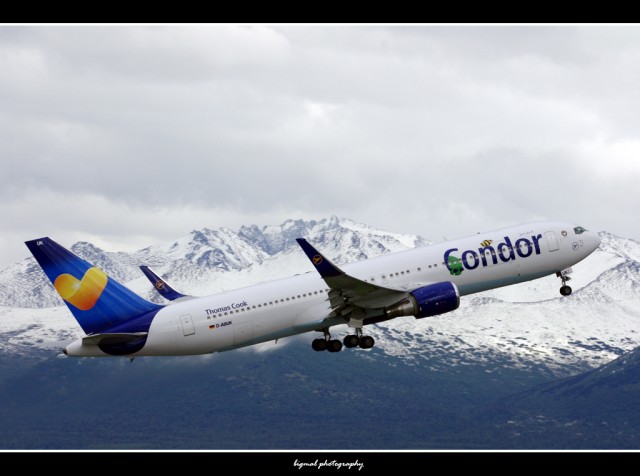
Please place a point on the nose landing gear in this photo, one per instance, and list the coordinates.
(565, 290)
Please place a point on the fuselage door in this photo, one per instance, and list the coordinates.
(187, 325)
(552, 240)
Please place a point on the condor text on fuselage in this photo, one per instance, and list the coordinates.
(505, 251)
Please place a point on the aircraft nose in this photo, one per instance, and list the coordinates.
(594, 241)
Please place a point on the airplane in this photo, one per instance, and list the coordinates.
(420, 282)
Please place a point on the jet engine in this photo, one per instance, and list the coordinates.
(427, 301)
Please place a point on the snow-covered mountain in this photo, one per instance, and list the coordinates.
(207, 261)
(524, 325)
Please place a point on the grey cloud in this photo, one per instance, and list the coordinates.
(429, 130)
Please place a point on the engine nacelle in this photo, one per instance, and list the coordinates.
(427, 301)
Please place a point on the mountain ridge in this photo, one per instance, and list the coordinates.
(529, 323)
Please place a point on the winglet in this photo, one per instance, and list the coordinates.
(325, 267)
(161, 285)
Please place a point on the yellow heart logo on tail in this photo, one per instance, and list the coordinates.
(83, 294)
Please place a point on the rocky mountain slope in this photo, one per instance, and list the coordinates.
(521, 326)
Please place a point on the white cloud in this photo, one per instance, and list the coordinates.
(131, 134)
(612, 160)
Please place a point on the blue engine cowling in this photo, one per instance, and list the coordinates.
(427, 301)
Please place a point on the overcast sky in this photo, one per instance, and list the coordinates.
(132, 135)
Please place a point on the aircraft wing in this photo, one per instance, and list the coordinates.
(347, 290)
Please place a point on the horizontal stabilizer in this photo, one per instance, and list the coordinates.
(115, 338)
(165, 290)
(112, 339)
(111, 343)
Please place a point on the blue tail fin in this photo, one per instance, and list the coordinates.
(99, 303)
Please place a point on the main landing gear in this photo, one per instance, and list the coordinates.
(332, 345)
(350, 341)
(357, 339)
(564, 290)
(326, 343)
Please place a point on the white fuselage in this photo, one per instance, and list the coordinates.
(300, 303)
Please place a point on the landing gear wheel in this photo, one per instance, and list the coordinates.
(334, 345)
(565, 290)
(351, 341)
(319, 345)
(366, 342)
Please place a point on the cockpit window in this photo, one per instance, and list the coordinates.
(579, 230)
